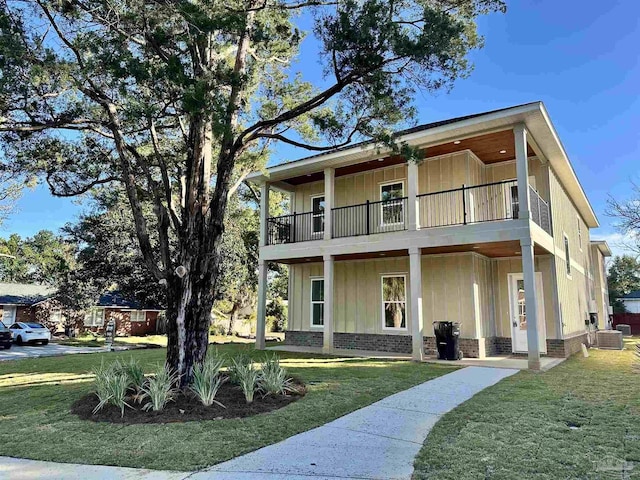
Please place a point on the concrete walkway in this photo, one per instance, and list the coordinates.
(376, 442)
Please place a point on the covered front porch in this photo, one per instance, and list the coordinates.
(496, 361)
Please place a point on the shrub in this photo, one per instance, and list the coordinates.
(160, 389)
(207, 380)
(111, 387)
(273, 378)
(246, 376)
(135, 373)
(239, 360)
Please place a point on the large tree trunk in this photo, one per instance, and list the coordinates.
(189, 302)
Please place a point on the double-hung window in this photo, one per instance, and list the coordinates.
(317, 208)
(317, 302)
(394, 302)
(94, 317)
(138, 316)
(391, 206)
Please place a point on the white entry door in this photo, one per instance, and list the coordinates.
(518, 311)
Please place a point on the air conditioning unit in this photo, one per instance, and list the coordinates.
(593, 308)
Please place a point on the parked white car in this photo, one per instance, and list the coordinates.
(30, 333)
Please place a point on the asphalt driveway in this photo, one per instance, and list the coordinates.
(17, 352)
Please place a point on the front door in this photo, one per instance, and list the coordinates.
(518, 311)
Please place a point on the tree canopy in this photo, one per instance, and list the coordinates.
(45, 258)
(623, 278)
(177, 101)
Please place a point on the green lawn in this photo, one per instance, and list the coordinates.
(155, 340)
(521, 428)
(36, 395)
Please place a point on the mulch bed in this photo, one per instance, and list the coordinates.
(187, 408)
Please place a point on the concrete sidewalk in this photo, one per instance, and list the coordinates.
(376, 442)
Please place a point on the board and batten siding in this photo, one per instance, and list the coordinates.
(447, 293)
(574, 291)
(351, 189)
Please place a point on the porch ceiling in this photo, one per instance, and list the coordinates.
(491, 250)
(486, 147)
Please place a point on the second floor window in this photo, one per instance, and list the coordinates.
(317, 207)
(567, 254)
(392, 211)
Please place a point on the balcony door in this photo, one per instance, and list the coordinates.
(391, 204)
(317, 224)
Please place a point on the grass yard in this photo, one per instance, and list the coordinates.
(580, 420)
(36, 394)
(156, 340)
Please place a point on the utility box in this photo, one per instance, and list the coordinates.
(624, 328)
(609, 339)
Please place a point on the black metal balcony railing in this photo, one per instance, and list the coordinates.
(540, 212)
(475, 204)
(461, 206)
(297, 227)
(369, 218)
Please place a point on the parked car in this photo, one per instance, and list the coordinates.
(30, 333)
(5, 337)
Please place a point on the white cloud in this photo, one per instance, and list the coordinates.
(621, 244)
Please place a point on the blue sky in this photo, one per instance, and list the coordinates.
(580, 58)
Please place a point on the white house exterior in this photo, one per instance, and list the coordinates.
(493, 219)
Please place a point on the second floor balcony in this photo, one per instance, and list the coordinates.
(491, 202)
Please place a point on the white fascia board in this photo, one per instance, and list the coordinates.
(603, 246)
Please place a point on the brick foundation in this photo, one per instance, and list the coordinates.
(374, 342)
(303, 339)
(555, 347)
(568, 346)
(402, 343)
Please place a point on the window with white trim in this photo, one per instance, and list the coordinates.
(567, 254)
(94, 317)
(392, 207)
(138, 316)
(317, 302)
(317, 207)
(394, 302)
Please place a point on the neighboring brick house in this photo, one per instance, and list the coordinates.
(29, 302)
(491, 229)
(17, 300)
(131, 317)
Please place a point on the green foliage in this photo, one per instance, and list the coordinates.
(207, 380)
(179, 101)
(160, 388)
(45, 258)
(277, 315)
(245, 375)
(111, 385)
(134, 372)
(273, 378)
(623, 277)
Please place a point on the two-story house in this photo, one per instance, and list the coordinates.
(490, 229)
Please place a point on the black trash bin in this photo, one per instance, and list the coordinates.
(448, 340)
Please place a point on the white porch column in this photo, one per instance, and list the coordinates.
(417, 323)
(412, 196)
(327, 343)
(264, 213)
(329, 189)
(522, 170)
(262, 304)
(530, 298)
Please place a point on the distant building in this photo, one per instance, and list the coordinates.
(20, 302)
(631, 301)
